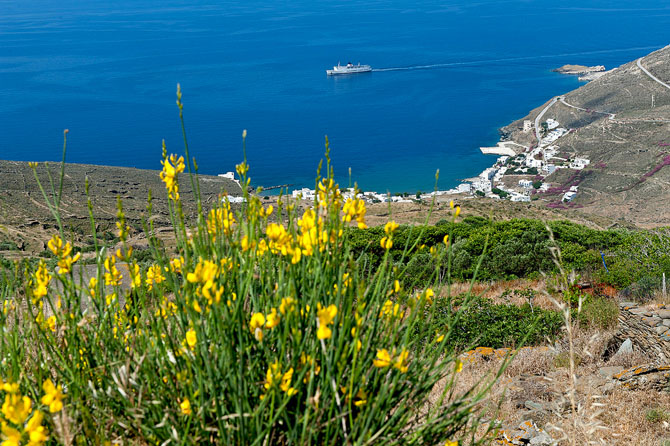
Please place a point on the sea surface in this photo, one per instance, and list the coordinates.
(108, 72)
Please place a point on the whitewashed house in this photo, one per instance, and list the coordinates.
(569, 196)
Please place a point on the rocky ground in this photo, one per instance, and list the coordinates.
(617, 393)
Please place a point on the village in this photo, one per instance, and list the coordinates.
(517, 174)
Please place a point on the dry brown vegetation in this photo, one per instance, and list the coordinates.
(540, 375)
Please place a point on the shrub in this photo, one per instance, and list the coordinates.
(262, 327)
(657, 415)
(476, 321)
(599, 312)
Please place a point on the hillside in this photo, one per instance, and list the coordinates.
(621, 123)
(27, 222)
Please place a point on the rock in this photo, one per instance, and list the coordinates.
(645, 377)
(625, 348)
(663, 314)
(661, 329)
(637, 311)
(666, 322)
(532, 405)
(652, 321)
(526, 433)
(610, 371)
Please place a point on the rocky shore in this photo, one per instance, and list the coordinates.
(578, 69)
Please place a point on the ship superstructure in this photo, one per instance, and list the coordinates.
(349, 68)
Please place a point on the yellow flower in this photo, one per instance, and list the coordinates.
(220, 220)
(191, 338)
(40, 282)
(243, 167)
(383, 358)
(451, 443)
(10, 387)
(286, 383)
(112, 275)
(361, 398)
(400, 362)
(12, 436)
(92, 286)
(51, 323)
(325, 317)
(256, 325)
(154, 275)
(386, 243)
(390, 227)
(439, 338)
(172, 167)
(458, 366)
(287, 305)
(176, 264)
(16, 408)
(386, 359)
(63, 251)
(355, 209)
(445, 240)
(185, 407)
(429, 294)
(272, 319)
(396, 286)
(36, 432)
(53, 396)
(389, 309)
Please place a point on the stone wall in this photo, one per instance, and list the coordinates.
(648, 328)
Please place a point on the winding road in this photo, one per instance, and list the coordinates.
(639, 64)
(611, 115)
(562, 99)
(537, 119)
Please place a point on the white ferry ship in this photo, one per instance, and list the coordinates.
(349, 69)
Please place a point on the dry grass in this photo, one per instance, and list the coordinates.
(535, 375)
(494, 292)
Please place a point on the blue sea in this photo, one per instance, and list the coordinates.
(108, 71)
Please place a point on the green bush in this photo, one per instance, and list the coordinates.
(599, 312)
(476, 321)
(657, 415)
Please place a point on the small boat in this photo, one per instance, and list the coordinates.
(349, 69)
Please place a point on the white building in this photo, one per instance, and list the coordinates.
(304, 193)
(520, 198)
(579, 163)
(527, 125)
(549, 169)
(464, 187)
(228, 175)
(482, 184)
(488, 173)
(532, 162)
(526, 184)
(569, 196)
(552, 124)
(553, 136)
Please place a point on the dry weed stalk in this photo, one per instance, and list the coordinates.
(583, 424)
